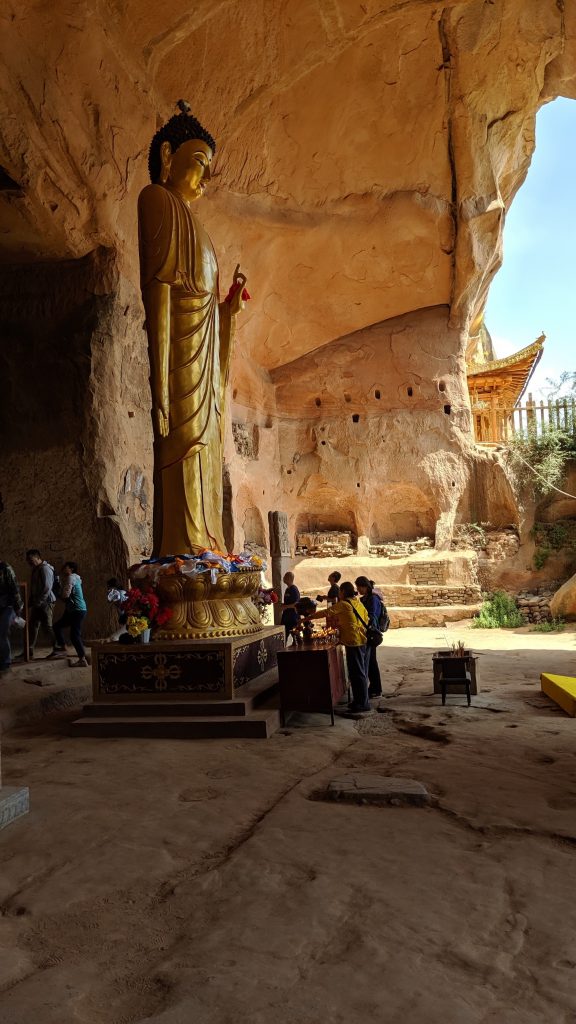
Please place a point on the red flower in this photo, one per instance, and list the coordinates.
(232, 291)
(144, 604)
(163, 616)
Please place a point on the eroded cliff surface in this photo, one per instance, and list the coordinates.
(367, 154)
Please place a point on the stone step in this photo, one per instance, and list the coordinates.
(250, 698)
(256, 725)
(435, 616)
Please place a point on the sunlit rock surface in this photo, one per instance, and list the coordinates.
(366, 156)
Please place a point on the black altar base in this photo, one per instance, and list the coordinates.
(184, 688)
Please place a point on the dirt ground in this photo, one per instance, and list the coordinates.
(204, 882)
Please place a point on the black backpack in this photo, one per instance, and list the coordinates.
(384, 620)
(56, 585)
(373, 633)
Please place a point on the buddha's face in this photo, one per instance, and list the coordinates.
(188, 169)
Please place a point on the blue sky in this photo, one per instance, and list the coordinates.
(535, 289)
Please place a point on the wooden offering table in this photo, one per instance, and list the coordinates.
(312, 678)
(468, 660)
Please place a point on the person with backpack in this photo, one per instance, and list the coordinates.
(43, 589)
(379, 618)
(73, 617)
(352, 621)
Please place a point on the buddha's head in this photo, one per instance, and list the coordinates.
(181, 153)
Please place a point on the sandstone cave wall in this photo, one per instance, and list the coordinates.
(367, 154)
(75, 461)
(372, 434)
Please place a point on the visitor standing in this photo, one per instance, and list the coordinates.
(41, 600)
(373, 605)
(334, 592)
(290, 617)
(352, 619)
(10, 608)
(73, 617)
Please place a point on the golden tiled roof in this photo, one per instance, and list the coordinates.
(507, 378)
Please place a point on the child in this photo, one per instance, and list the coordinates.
(334, 593)
(117, 596)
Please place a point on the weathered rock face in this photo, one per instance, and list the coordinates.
(563, 603)
(367, 154)
(75, 462)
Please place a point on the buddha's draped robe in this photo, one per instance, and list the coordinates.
(175, 250)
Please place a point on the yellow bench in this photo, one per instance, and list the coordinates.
(560, 689)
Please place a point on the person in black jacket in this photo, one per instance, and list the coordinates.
(373, 605)
(42, 599)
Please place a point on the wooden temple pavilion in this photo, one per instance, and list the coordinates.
(496, 387)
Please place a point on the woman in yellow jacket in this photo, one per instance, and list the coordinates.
(351, 619)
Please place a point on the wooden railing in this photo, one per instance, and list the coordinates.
(495, 424)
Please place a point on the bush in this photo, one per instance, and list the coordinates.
(552, 626)
(499, 611)
(547, 453)
(541, 556)
(554, 535)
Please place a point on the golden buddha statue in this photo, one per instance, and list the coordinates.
(190, 338)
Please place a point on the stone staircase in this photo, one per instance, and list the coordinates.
(425, 588)
(436, 591)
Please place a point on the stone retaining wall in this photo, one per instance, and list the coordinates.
(428, 573)
(401, 548)
(420, 596)
(534, 605)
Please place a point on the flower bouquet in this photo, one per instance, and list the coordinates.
(143, 611)
(263, 598)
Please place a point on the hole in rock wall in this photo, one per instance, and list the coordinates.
(347, 397)
(7, 183)
(318, 402)
(328, 533)
(355, 418)
(409, 392)
(407, 515)
(447, 409)
(377, 394)
(254, 532)
(441, 386)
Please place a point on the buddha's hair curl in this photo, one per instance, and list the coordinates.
(179, 129)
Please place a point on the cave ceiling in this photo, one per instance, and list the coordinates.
(366, 151)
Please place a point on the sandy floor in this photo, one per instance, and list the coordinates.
(182, 882)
